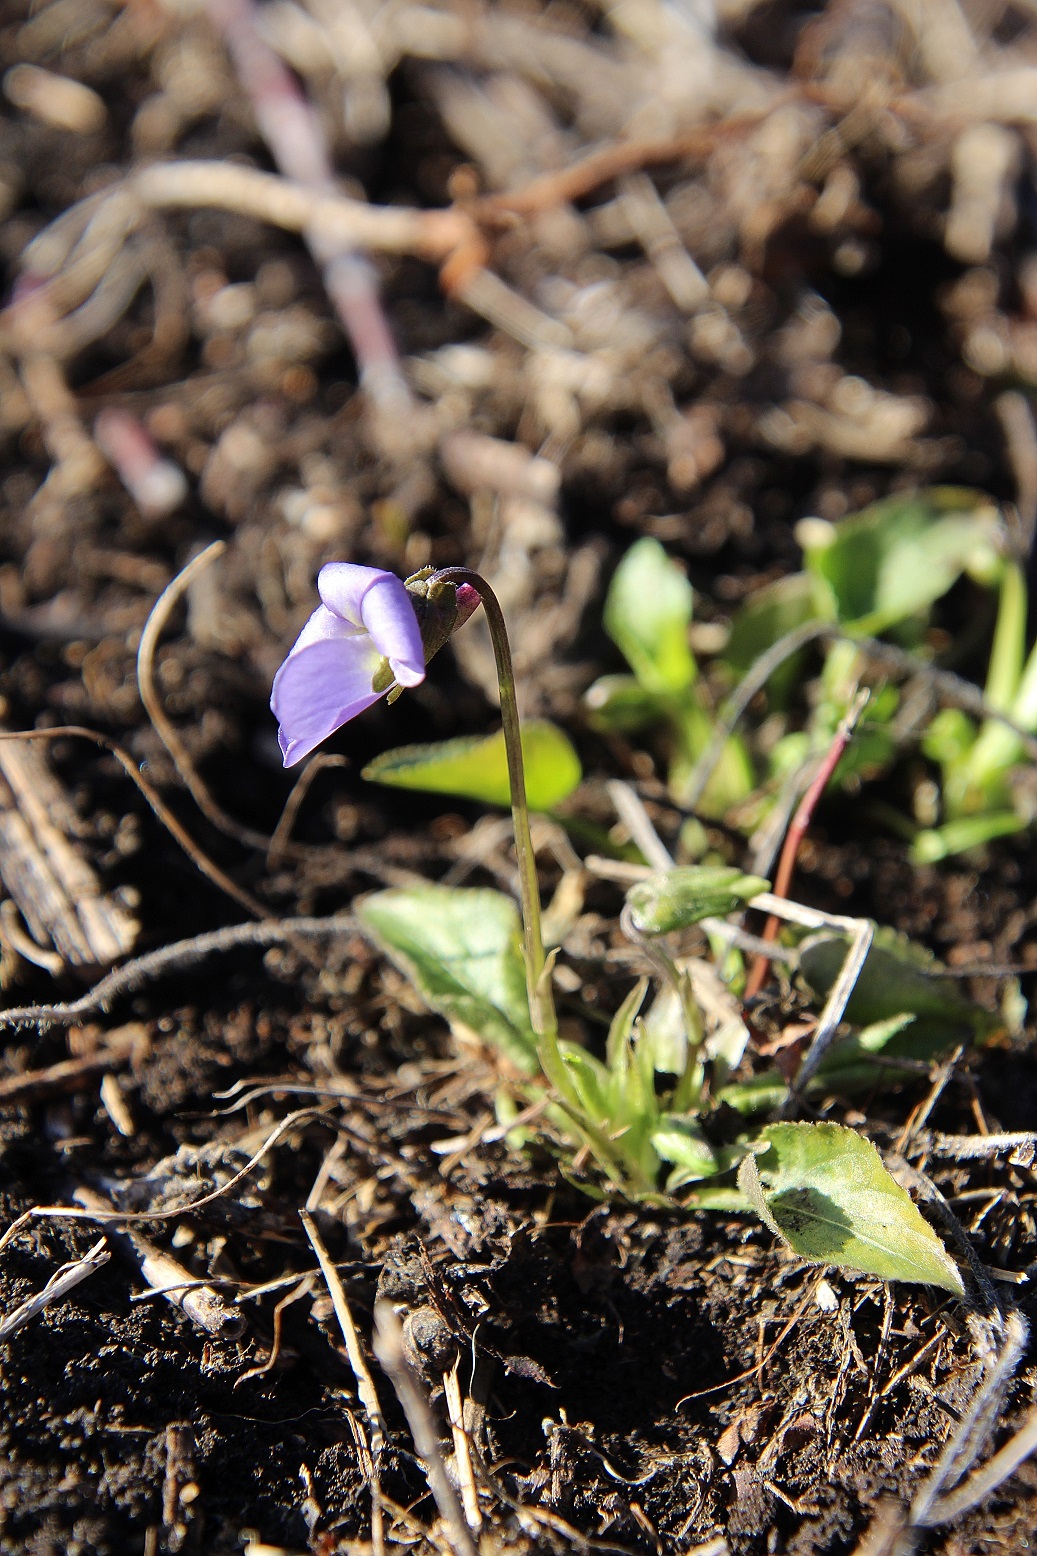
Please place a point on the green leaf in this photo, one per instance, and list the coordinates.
(956, 837)
(950, 737)
(647, 615)
(679, 1140)
(476, 767)
(673, 899)
(880, 1057)
(619, 705)
(621, 1027)
(823, 1189)
(664, 1036)
(896, 557)
(1008, 650)
(767, 615)
(898, 978)
(462, 951)
(732, 779)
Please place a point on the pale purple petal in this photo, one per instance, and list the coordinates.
(319, 688)
(389, 616)
(324, 625)
(342, 586)
(366, 617)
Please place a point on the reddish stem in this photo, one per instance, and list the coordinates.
(797, 829)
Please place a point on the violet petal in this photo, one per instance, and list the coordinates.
(390, 618)
(342, 586)
(319, 688)
(323, 626)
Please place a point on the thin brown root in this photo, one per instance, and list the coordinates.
(283, 831)
(153, 629)
(212, 871)
(182, 953)
(73, 1213)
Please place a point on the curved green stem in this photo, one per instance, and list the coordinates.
(538, 981)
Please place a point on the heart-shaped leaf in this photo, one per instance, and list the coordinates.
(462, 951)
(822, 1188)
(476, 767)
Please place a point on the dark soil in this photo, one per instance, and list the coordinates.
(645, 1380)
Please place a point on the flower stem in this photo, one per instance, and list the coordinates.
(538, 982)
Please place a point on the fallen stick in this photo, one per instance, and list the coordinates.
(203, 1305)
(54, 888)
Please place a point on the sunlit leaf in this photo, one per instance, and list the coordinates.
(896, 557)
(823, 1189)
(937, 843)
(476, 767)
(673, 899)
(462, 951)
(647, 614)
(664, 1035)
(679, 1140)
(622, 1025)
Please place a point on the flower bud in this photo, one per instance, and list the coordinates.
(440, 606)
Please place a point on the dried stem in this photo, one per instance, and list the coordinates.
(931, 1504)
(361, 1372)
(389, 1349)
(60, 1284)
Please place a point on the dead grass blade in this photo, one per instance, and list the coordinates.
(60, 1284)
(361, 1372)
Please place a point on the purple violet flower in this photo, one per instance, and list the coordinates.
(363, 638)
